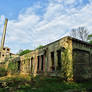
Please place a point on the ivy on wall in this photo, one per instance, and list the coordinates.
(3, 72)
(67, 64)
(12, 67)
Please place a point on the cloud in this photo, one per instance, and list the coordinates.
(69, 1)
(31, 29)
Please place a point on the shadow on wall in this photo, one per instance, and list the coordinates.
(81, 65)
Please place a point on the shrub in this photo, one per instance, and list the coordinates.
(39, 47)
(13, 67)
(3, 72)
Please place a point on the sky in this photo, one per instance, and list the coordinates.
(38, 22)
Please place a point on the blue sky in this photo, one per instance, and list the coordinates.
(11, 8)
(39, 22)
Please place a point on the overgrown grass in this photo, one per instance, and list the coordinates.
(42, 84)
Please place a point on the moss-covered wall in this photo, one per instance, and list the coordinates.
(67, 48)
(82, 61)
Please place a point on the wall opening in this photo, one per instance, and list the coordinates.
(52, 61)
(3, 48)
(8, 49)
(32, 65)
(0, 54)
(38, 58)
(3, 55)
(41, 62)
(19, 66)
(59, 60)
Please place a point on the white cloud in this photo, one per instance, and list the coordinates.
(69, 1)
(31, 29)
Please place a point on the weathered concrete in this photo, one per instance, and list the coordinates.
(68, 58)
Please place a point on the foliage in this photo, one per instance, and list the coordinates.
(90, 38)
(12, 67)
(66, 73)
(3, 72)
(90, 42)
(44, 84)
(22, 52)
(39, 47)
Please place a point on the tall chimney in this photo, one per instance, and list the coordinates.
(4, 33)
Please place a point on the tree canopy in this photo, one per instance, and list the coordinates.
(39, 47)
(22, 52)
(90, 38)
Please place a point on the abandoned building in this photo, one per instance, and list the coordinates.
(68, 58)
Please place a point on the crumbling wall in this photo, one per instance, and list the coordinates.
(67, 62)
(82, 61)
(65, 58)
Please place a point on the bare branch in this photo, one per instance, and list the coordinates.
(80, 33)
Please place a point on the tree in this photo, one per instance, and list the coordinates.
(80, 33)
(22, 52)
(90, 38)
(39, 47)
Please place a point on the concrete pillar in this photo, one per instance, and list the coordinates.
(28, 65)
(35, 66)
(49, 62)
(55, 59)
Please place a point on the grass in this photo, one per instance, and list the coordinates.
(41, 84)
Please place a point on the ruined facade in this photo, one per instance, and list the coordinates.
(68, 58)
(4, 51)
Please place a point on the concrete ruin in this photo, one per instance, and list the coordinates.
(68, 58)
(4, 51)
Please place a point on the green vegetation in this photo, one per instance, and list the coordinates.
(39, 47)
(22, 52)
(3, 72)
(90, 38)
(12, 67)
(90, 42)
(42, 84)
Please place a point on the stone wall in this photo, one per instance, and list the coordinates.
(66, 58)
(82, 61)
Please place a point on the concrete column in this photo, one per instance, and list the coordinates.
(35, 66)
(49, 62)
(55, 59)
(28, 65)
